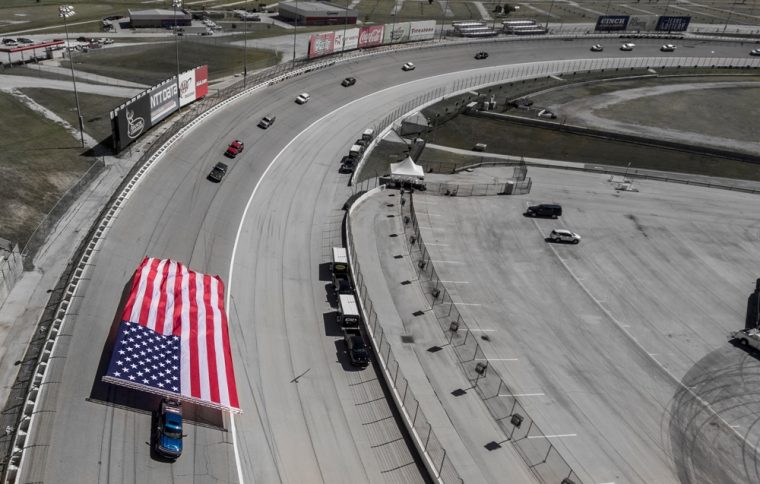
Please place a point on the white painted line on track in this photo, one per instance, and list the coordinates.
(735, 426)
(521, 394)
(468, 304)
(456, 282)
(555, 436)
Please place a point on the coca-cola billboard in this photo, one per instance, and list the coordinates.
(371, 36)
(321, 44)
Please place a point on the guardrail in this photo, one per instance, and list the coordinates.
(523, 433)
(434, 456)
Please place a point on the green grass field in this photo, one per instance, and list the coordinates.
(39, 161)
(153, 62)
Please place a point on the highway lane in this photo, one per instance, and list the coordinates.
(308, 431)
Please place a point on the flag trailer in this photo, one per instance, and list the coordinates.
(173, 338)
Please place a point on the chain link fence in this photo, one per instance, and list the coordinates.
(436, 460)
(521, 430)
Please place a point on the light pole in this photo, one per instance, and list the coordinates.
(345, 26)
(727, 18)
(66, 11)
(295, 29)
(175, 4)
(245, 43)
(549, 15)
(443, 19)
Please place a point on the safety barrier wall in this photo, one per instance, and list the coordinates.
(11, 267)
(521, 430)
(433, 454)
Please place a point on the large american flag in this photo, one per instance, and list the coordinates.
(173, 338)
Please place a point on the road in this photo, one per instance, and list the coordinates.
(307, 418)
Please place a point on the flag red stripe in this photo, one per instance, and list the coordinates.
(133, 292)
(162, 297)
(213, 377)
(148, 293)
(195, 384)
(231, 386)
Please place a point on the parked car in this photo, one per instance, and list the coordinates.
(408, 67)
(597, 48)
(349, 81)
(754, 52)
(168, 440)
(234, 149)
(481, 55)
(303, 98)
(267, 121)
(218, 172)
(10, 42)
(551, 210)
(627, 46)
(562, 235)
(24, 40)
(668, 48)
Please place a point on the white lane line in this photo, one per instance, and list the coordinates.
(556, 436)
(521, 394)
(456, 282)
(734, 426)
(468, 304)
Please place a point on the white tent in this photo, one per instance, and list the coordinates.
(407, 168)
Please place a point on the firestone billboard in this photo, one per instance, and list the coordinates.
(424, 30)
(133, 118)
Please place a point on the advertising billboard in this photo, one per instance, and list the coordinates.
(396, 33)
(163, 100)
(321, 44)
(673, 24)
(201, 81)
(351, 40)
(424, 30)
(186, 87)
(611, 23)
(371, 36)
(136, 116)
(642, 23)
(131, 122)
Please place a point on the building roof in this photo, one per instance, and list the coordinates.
(156, 12)
(312, 6)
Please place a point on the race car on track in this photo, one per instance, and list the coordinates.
(408, 67)
(234, 149)
(597, 48)
(668, 48)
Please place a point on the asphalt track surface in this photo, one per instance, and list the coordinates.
(308, 417)
(618, 345)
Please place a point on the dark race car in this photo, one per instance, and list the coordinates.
(218, 172)
(349, 81)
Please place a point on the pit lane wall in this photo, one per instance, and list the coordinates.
(327, 43)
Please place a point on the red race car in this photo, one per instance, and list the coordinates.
(234, 149)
